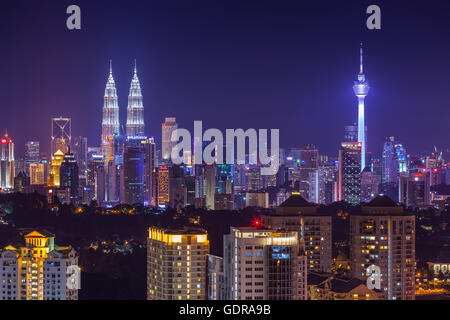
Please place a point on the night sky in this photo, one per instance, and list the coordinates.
(233, 64)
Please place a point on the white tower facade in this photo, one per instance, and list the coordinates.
(110, 120)
(361, 89)
(135, 108)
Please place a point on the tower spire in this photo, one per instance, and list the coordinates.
(135, 108)
(361, 59)
(361, 89)
(110, 66)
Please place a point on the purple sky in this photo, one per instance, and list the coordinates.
(233, 64)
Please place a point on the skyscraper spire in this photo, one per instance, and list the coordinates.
(110, 120)
(361, 60)
(361, 89)
(135, 108)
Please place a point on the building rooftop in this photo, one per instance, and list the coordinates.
(186, 230)
(382, 201)
(336, 284)
(442, 257)
(295, 201)
(27, 232)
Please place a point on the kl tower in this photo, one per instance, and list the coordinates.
(361, 89)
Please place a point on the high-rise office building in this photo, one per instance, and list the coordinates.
(177, 264)
(296, 214)
(53, 179)
(264, 264)
(96, 188)
(253, 177)
(361, 89)
(32, 154)
(135, 108)
(370, 182)
(309, 162)
(414, 191)
(110, 118)
(37, 174)
(349, 174)
(209, 186)
(168, 126)
(21, 182)
(382, 247)
(39, 270)
(80, 151)
(134, 171)
(326, 178)
(177, 188)
(163, 185)
(61, 135)
(390, 167)
(257, 199)
(149, 146)
(68, 173)
(7, 168)
(402, 158)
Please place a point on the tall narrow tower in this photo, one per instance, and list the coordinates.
(135, 108)
(361, 89)
(110, 121)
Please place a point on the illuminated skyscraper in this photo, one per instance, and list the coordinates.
(209, 186)
(80, 151)
(61, 134)
(39, 270)
(32, 154)
(37, 174)
(53, 179)
(168, 127)
(361, 89)
(7, 169)
(149, 170)
(133, 171)
(135, 109)
(390, 166)
(177, 264)
(110, 121)
(69, 175)
(309, 161)
(349, 174)
(162, 186)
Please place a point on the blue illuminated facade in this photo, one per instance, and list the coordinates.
(361, 89)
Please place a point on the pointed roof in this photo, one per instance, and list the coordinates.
(110, 83)
(39, 234)
(382, 201)
(296, 201)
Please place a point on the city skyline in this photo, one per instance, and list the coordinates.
(182, 85)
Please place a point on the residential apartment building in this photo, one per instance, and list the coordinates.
(40, 270)
(177, 264)
(383, 236)
(296, 214)
(264, 264)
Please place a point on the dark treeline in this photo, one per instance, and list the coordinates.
(122, 275)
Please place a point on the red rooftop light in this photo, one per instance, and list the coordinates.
(257, 223)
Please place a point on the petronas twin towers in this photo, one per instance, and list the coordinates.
(135, 110)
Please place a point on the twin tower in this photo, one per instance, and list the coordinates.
(135, 109)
